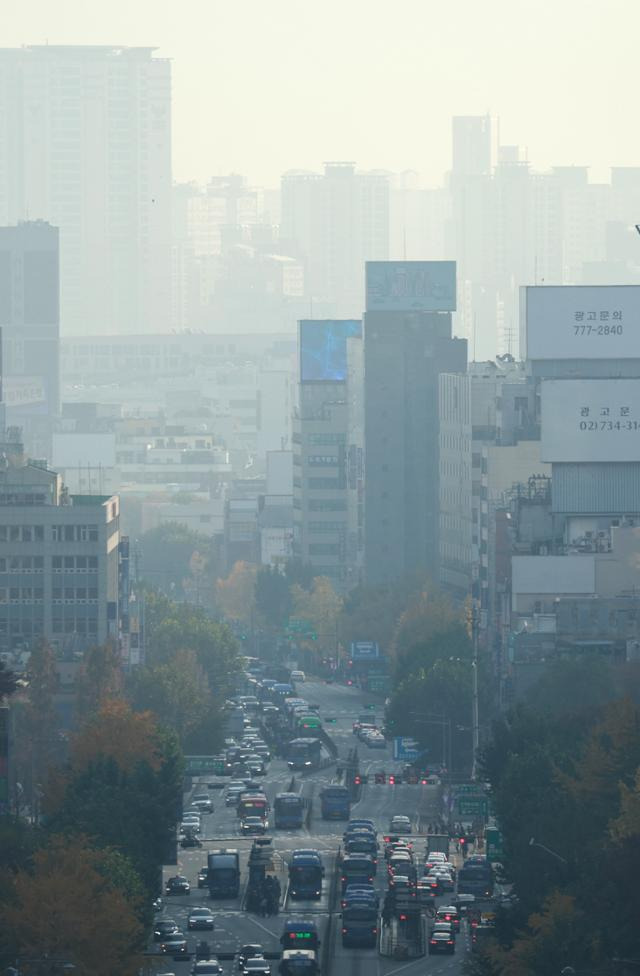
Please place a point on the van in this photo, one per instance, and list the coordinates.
(297, 676)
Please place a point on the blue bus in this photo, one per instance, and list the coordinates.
(288, 811)
(305, 875)
(303, 754)
(335, 803)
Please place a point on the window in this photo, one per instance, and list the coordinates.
(56, 564)
(326, 483)
(324, 549)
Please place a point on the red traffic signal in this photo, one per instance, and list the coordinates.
(392, 779)
(358, 780)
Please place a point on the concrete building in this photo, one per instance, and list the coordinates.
(454, 483)
(59, 575)
(86, 144)
(321, 485)
(30, 329)
(408, 344)
(336, 221)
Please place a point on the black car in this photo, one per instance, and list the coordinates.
(163, 928)
(441, 942)
(249, 951)
(203, 877)
(178, 885)
(200, 918)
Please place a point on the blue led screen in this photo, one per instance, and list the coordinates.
(323, 349)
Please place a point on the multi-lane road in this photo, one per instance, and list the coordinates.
(235, 927)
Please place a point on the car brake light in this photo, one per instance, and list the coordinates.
(343, 931)
(434, 941)
(449, 942)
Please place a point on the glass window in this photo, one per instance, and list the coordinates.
(93, 592)
(27, 533)
(56, 563)
(38, 533)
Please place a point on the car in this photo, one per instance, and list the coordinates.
(433, 780)
(258, 966)
(207, 967)
(174, 945)
(200, 918)
(254, 826)
(362, 823)
(203, 877)
(203, 802)
(297, 676)
(255, 764)
(362, 845)
(443, 927)
(377, 741)
(262, 750)
(400, 825)
(448, 913)
(426, 889)
(163, 928)
(445, 881)
(233, 795)
(249, 951)
(177, 885)
(440, 942)
(190, 839)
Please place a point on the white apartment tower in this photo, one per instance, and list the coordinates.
(85, 143)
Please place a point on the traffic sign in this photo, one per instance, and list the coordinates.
(476, 788)
(493, 839)
(201, 765)
(406, 748)
(472, 806)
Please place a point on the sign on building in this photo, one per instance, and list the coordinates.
(590, 420)
(581, 321)
(411, 286)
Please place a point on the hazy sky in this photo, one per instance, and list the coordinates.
(261, 86)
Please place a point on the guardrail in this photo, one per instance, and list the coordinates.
(328, 946)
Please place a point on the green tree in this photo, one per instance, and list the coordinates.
(178, 694)
(168, 560)
(321, 606)
(273, 591)
(8, 681)
(38, 743)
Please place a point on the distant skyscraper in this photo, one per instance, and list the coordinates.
(30, 325)
(338, 221)
(86, 144)
(471, 136)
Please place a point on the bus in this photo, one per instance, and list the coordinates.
(308, 723)
(300, 933)
(360, 925)
(303, 754)
(476, 878)
(253, 805)
(305, 875)
(288, 811)
(335, 803)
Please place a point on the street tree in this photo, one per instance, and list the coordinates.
(66, 909)
(235, 595)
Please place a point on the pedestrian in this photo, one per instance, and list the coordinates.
(264, 905)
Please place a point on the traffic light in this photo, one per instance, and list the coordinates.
(371, 707)
(357, 779)
(330, 721)
(392, 779)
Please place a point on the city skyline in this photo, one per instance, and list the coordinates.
(576, 113)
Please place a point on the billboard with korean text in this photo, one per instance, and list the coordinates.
(590, 420)
(581, 322)
(411, 286)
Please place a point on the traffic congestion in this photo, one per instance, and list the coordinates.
(306, 847)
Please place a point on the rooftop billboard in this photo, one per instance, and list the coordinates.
(581, 322)
(590, 420)
(323, 349)
(411, 286)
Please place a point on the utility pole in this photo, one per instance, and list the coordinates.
(475, 720)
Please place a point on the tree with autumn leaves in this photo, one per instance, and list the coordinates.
(570, 781)
(68, 906)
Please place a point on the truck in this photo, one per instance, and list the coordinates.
(223, 873)
(438, 842)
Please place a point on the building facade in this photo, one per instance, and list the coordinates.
(86, 145)
(59, 563)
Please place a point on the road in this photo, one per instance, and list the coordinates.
(235, 927)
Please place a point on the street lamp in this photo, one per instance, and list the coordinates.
(534, 843)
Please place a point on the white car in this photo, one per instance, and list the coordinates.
(297, 676)
(400, 825)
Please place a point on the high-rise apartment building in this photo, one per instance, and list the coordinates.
(30, 328)
(407, 346)
(86, 145)
(335, 222)
(58, 563)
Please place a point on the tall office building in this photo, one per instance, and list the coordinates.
(30, 325)
(471, 145)
(336, 221)
(322, 455)
(86, 145)
(407, 346)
